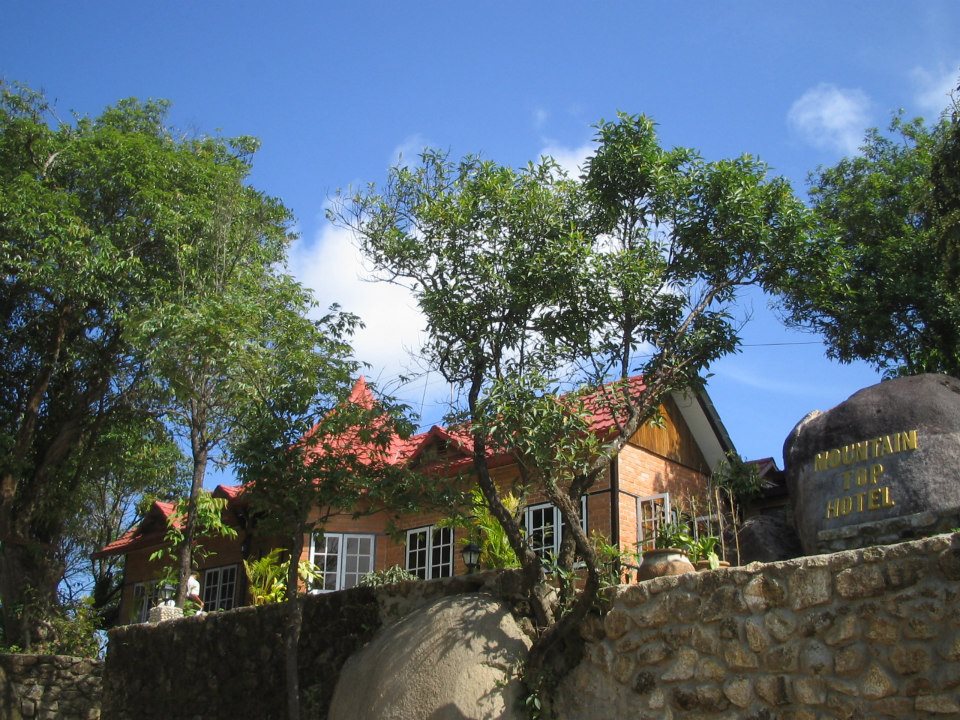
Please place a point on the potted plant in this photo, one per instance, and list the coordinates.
(669, 554)
(703, 552)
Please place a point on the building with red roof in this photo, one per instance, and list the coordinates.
(662, 467)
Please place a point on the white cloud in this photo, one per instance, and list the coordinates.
(831, 118)
(540, 117)
(933, 88)
(571, 159)
(408, 152)
(331, 265)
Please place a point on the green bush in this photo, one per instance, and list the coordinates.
(390, 576)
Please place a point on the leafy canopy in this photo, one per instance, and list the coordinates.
(533, 283)
(878, 276)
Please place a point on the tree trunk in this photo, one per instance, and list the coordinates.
(531, 568)
(28, 586)
(549, 658)
(291, 635)
(200, 450)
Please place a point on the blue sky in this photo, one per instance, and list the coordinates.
(336, 91)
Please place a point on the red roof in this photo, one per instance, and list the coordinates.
(149, 533)
(152, 529)
(603, 405)
(607, 404)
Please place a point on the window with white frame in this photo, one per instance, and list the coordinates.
(219, 588)
(544, 526)
(145, 596)
(343, 558)
(653, 511)
(430, 552)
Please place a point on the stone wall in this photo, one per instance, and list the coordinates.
(231, 665)
(42, 687)
(872, 633)
(868, 633)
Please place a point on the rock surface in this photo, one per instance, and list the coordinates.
(449, 660)
(768, 538)
(880, 467)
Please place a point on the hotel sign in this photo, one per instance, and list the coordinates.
(859, 469)
(883, 464)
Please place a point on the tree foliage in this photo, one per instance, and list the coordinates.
(122, 244)
(533, 283)
(137, 462)
(228, 300)
(307, 450)
(879, 274)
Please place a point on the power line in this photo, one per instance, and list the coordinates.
(801, 342)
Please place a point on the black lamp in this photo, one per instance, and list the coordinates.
(471, 556)
(166, 592)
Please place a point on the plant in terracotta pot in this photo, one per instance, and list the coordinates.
(669, 554)
(703, 552)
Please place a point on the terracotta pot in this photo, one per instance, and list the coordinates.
(704, 565)
(663, 561)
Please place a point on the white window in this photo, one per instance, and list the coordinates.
(343, 558)
(652, 512)
(543, 522)
(145, 596)
(430, 552)
(219, 588)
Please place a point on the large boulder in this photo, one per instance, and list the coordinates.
(882, 466)
(449, 660)
(768, 538)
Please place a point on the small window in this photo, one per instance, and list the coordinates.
(430, 552)
(545, 527)
(343, 558)
(219, 588)
(653, 512)
(145, 596)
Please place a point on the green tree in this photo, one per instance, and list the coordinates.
(878, 276)
(228, 296)
(136, 462)
(310, 450)
(96, 217)
(532, 283)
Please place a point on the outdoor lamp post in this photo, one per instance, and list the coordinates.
(165, 609)
(471, 556)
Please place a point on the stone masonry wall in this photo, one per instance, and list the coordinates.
(43, 687)
(870, 633)
(230, 665)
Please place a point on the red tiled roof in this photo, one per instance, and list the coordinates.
(602, 405)
(606, 404)
(152, 529)
(230, 492)
(148, 533)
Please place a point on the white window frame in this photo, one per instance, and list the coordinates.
(219, 591)
(145, 596)
(432, 543)
(544, 551)
(344, 575)
(655, 516)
